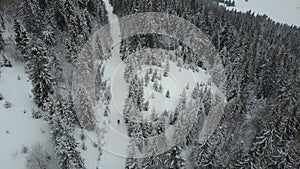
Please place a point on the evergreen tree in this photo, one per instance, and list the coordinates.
(62, 135)
(2, 43)
(65, 146)
(160, 88)
(168, 94)
(69, 111)
(146, 105)
(147, 78)
(39, 72)
(86, 115)
(196, 91)
(208, 154)
(180, 107)
(131, 161)
(156, 86)
(167, 69)
(154, 76)
(48, 36)
(176, 160)
(106, 111)
(21, 38)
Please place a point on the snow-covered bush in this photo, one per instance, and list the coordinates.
(168, 94)
(7, 104)
(6, 62)
(84, 147)
(82, 136)
(37, 158)
(24, 149)
(36, 114)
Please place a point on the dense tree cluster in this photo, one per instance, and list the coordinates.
(47, 36)
(261, 60)
(260, 127)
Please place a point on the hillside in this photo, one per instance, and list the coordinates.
(139, 84)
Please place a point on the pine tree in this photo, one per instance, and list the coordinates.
(176, 160)
(168, 94)
(208, 154)
(154, 76)
(86, 116)
(21, 39)
(2, 43)
(131, 161)
(70, 115)
(160, 88)
(62, 135)
(195, 92)
(167, 69)
(187, 86)
(147, 78)
(48, 36)
(39, 72)
(65, 148)
(156, 86)
(140, 95)
(136, 93)
(180, 107)
(106, 111)
(107, 96)
(146, 105)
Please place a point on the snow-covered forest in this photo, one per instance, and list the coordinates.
(149, 84)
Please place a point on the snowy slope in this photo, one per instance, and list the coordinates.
(283, 11)
(19, 129)
(114, 143)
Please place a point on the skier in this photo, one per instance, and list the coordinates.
(118, 121)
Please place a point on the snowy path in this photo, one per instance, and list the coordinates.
(115, 147)
(116, 139)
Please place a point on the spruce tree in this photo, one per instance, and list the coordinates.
(168, 94)
(21, 39)
(65, 146)
(176, 160)
(39, 73)
(146, 105)
(167, 69)
(70, 115)
(106, 111)
(86, 114)
(1, 37)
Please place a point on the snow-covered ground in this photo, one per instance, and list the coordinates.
(115, 141)
(283, 11)
(18, 128)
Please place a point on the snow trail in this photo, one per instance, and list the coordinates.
(116, 139)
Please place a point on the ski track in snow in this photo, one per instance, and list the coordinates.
(115, 146)
(116, 140)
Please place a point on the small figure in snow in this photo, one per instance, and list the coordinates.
(118, 121)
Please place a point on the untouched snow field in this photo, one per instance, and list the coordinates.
(18, 128)
(283, 11)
